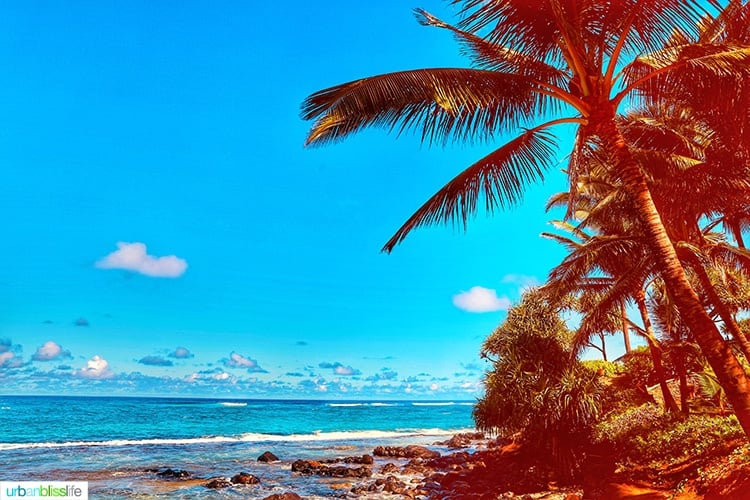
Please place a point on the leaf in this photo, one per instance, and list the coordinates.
(499, 177)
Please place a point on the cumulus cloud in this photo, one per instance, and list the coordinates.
(96, 368)
(133, 257)
(50, 351)
(237, 360)
(340, 369)
(155, 361)
(479, 300)
(383, 374)
(180, 353)
(472, 367)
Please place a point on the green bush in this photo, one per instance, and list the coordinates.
(601, 367)
(645, 435)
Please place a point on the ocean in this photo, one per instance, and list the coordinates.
(117, 443)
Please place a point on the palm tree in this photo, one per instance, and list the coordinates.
(606, 272)
(575, 62)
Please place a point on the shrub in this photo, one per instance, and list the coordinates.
(601, 367)
(645, 435)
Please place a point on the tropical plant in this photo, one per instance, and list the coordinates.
(536, 388)
(574, 62)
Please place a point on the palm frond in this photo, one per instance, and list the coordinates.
(500, 177)
(495, 57)
(444, 104)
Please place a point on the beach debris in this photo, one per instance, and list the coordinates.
(268, 457)
(218, 482)
(244, 478)
(411, 451)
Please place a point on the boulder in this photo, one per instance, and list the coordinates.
(283, 496)
(268, 457)
(218, 482)
(462, 439)
(389, 468)
(312, 467)
(172, 473)
(244, 478)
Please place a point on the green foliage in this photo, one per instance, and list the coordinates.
(646, 435)
(605, 368)
(638, 367)
(536, 386)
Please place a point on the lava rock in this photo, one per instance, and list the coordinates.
(283, 496)
(173, 474)
(244, 478)
(218, 482)
(411, 451)
(268, 457)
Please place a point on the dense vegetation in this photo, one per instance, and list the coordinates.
(655, 214)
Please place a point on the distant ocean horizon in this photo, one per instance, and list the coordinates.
(113, 442)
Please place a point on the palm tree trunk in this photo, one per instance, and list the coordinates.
(737, 233)
(721, 309)
(625, 331)
(721, 358)
(655, 351)
(684, 389)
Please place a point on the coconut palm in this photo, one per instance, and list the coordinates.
(571, 62)
(606, 272)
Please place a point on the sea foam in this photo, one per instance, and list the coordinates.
(248, 437)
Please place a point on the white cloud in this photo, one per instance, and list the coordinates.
(479, 299)
(133, 257)
(96, 368)
(49, 351)
(340, 369)
(6, 358)
(180, 353)
(237, 360)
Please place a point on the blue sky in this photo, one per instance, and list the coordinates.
(165, 232)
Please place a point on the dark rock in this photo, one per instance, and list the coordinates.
(173, 474)
(463, 439)
(411, 451)
(218, 482)
(389, 468)
(283, 496)
(311, 467)
(364, 459)
(244, 478)
(394, 485)
(268, 457)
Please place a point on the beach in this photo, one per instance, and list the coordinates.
(171, 448)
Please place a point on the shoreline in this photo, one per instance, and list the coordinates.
(462, 469)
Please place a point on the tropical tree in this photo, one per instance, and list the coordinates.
(536, 388)
(606, 272)
(567, 61)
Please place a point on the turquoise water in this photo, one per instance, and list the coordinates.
(111, 442)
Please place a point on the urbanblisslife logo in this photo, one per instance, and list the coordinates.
(59, 490)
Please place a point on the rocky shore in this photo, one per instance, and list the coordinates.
(474, 468)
